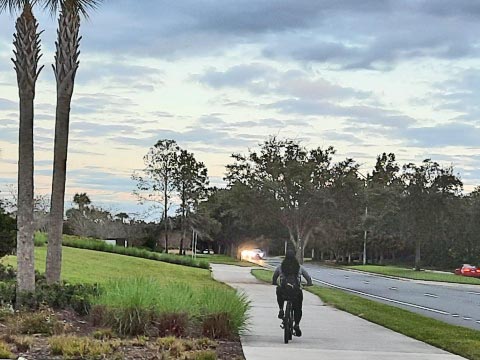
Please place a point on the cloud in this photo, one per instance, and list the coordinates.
(449, 134)
(87, 129)
(460, 95)
(258, 78)
(120, 75)
(98, 103)
(6, 104)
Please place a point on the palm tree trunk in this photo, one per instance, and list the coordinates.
(65, 68)
(27, 56)
(165, 214)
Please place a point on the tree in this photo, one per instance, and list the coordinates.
(65, 69)
(82, 200)
(384, 190)
(123, 217)
(289, 183)
(428, 187)
(27, 56)
(190, 180)
(156, 185)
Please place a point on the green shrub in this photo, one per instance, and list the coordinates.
(5, 352)
(40, 239)
(8, 234)
(66, 296)
(7, 273)
(139, 305)
(223, 308)
(29, 323)
(99, 245)
(7, 293)
(171, 324)
(79, 347)
(22, 343)
(205, 355)
(103, 334)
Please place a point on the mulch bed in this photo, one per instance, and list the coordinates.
(227, 349)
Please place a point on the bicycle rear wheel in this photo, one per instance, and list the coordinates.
(287, 322)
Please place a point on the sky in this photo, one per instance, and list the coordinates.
(220, 76)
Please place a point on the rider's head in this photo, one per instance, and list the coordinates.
(290, 254)
(290, 265)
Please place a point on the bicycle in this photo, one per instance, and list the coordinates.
(287, 322)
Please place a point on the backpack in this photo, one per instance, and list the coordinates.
(290, 285)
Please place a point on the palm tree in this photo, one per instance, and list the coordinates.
(81, 200)
(65, 69)
(27, 55)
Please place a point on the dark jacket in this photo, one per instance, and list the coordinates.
(302, 272)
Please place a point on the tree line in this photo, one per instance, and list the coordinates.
(284, 192)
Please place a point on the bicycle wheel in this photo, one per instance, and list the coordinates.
(287, 330)
(291, 322)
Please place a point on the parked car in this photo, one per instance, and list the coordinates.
(468, 270)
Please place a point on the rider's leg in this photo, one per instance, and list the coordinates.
(280, 301)
(297, 312)
(297, 307)
(280, 297)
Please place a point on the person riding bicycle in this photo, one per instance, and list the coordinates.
(290, 273)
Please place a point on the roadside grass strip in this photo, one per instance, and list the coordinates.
(99, 245)
(224, 259)
(415, 275)
(455, 339)
(89, 267)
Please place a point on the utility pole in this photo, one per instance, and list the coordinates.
(366, 214)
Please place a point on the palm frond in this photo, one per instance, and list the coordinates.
(14, 5)
(82, 6)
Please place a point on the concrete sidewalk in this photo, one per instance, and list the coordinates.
(327, 333)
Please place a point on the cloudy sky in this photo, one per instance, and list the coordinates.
(219, 76)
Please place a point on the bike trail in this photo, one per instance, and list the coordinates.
(328, 333)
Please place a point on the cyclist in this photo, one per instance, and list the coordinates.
(290, 273)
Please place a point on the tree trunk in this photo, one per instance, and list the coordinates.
(381, 258)
(165, 210)
(65, 69)
(27, 55)
(417, 255)
(184, 229)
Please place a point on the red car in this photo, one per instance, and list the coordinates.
(468, 270)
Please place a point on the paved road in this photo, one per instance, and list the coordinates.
(455, 304)
(327, 333)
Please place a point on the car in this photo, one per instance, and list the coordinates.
(468, 270)
(253, 254)
(208, 251)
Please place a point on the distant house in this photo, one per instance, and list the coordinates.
(117, 242)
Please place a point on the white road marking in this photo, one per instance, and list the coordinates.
(383, 298)
(366, 282)
(380, 297)
(455, 315)
(467, 318)
(430, 295)
(393, 288)
(478, 321)
(473, 293)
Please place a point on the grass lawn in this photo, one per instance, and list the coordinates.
(224, 259)
(455, 339)
(88, 266)
(416, 275)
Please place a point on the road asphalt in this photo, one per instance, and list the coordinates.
(327, 333)
(456, 304)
